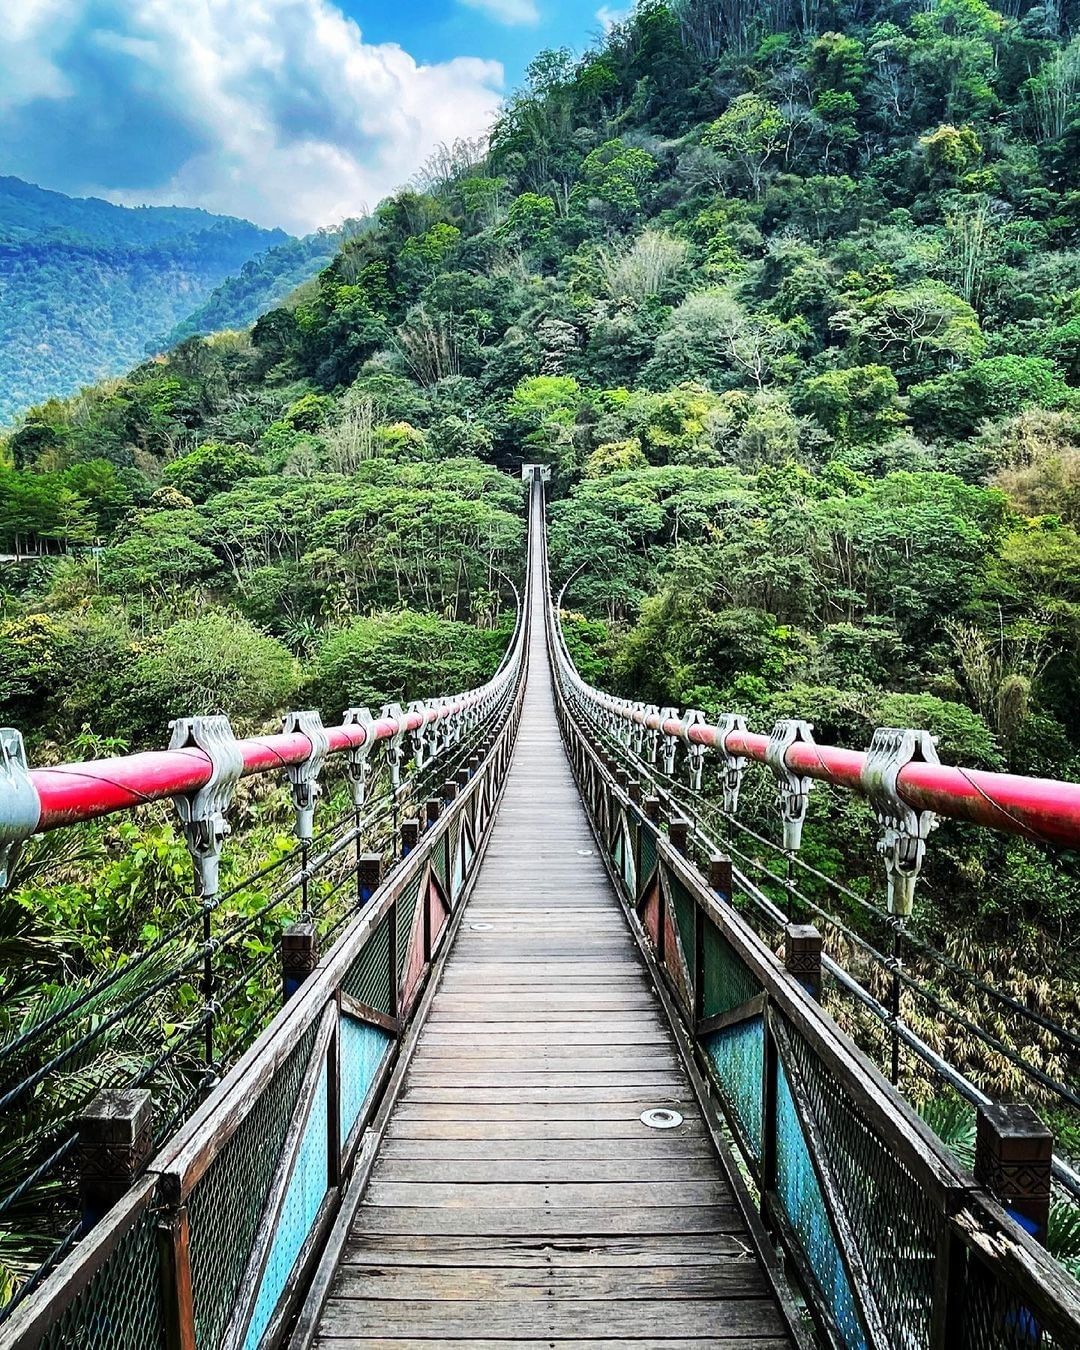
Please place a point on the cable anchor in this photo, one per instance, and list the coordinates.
(904, 830)
(670, 743)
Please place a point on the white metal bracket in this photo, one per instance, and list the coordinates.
(202, 812)
(792, 789)
(905, 830)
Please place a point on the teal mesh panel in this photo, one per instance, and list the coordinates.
(459, 862)
(629, 874)
(890, 1215)
(729, 982)
(228, 1201)
(307, 1189)
(362, 1049)
(368, 978)
(405, 909)
(800, 1196)
(737, 1055)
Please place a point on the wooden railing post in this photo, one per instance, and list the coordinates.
(177, 1299)
(299, 957)
(802, 956)
(1014, 1153)
(369, 869)
(114, 1144)
(410, 834)
(720, 876)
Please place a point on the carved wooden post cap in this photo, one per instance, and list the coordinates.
(115, 1139)
(410, 833)
(431, 811)
(720, 875)
(679, 833)
(462, 777)
(652, 809)
(802, 956)
(633, 791)
(1014, 1151)
(449, 791)
(299, 956)
(369, 869)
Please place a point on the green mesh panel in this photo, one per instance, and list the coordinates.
(682, 904)
(227, 1203)
(368, 978)
(438, 861)
(120, 1309)
(405, 909)
(648, 856)
(729, 983)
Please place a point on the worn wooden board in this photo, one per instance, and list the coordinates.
(516, 1284)
(570, 1253)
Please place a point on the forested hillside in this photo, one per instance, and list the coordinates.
(261, 284)
(790, 298)
(86, 286)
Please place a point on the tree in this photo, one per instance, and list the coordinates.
(750, 132)
(953, 404)
(854, 405)
(209, 469)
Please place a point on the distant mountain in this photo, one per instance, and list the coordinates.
(85, 285)
(261, 284)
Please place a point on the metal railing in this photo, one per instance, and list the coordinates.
(892, 1243)
(171, 1018)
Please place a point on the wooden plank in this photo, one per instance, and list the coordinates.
(525, 1284)
(612, 1318)
(366, 1342)
(551, 1172)
(540, 1221)
(466, 1126)
(669, 1144)
(550, 1250)
(542, 1110)
(566, 1195)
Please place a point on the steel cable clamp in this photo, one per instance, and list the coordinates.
(650, 734)
(733, 766)
(304, 777)
(396, 713)
(202, 812)
(792, 789)
(695, 751)
(422, 738)
(905, 830)
(357, 758)
(670, 743)
(20, 806)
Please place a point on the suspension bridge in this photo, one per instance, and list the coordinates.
(547, 1065)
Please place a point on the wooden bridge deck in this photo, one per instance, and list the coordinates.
(517, 1196)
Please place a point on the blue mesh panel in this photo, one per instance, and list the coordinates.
(459, 864)
(800, 1195)
(307, 1188)
(737, 1054)
(362, 1049)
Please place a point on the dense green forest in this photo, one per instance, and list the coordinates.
(86, 287)
(263, 283)
(789, 297)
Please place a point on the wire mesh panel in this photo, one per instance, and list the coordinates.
(362, 1048)
(368, 978)
(889, 1214)
(737, 1055)
(229, 1199)
(438, 861)
(120, 1309)
(727, 980)
(404, 911)
(684, 908)
(458, 875)
(306, 1192)
(647, 850)
(800, 1197)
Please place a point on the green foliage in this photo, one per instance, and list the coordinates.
(953, 405)
(399, 657)
(209, 469)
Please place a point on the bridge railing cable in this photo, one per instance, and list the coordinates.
(891, 1240)
(165, 1022)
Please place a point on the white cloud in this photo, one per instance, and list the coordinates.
(608, 17)
(506, 11)
(277, 110)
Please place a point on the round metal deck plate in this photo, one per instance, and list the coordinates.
(661, 1118)
(585, 853)
(481, 927)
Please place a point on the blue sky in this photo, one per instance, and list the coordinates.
(291, 112)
